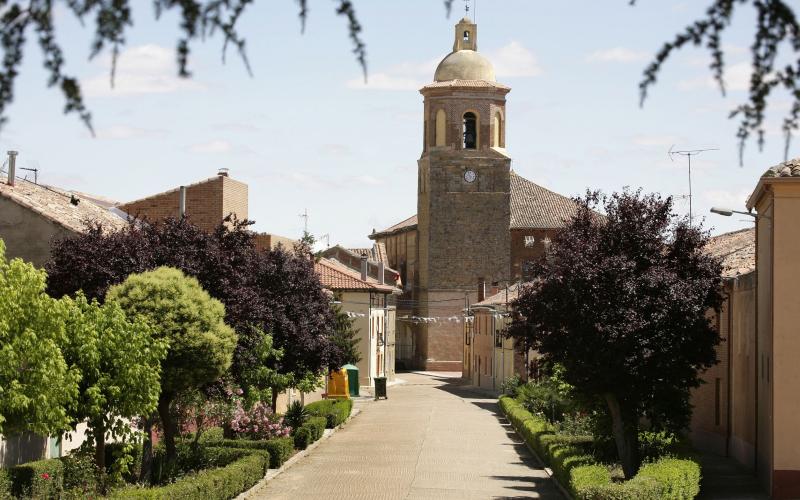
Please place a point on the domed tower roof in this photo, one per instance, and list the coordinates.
(465, 63)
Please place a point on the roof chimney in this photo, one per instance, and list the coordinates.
(381, 273)
(12, 168)
(223, 172)
(182, 202)
(364, 267)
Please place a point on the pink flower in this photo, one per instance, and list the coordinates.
(45, 475)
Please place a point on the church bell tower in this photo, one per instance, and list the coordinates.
(463, 197)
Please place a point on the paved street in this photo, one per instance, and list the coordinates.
(430, 439)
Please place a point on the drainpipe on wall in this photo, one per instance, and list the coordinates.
(12, 168)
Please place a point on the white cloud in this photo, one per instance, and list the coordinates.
(127, 132)
(737, 77)
(655, 140)
(725, 198)
(511, 60)
(618, 55)
(385, 81)
(144, 69)
(515, 60)
(367, 180)
(214, 147)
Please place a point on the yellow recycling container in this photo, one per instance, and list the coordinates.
(337, 385)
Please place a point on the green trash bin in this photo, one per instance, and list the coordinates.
(380, 388)
(352, 379)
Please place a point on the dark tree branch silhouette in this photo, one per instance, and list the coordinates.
(776, 26)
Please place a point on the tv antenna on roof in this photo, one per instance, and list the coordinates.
(688, 153)
(304, 216)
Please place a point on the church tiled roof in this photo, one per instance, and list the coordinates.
(532, 207)
(737, 250)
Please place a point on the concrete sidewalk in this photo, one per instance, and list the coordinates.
(431, 439)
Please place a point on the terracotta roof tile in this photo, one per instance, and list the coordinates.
(337, 276)
(789, 168)
(500, 297)
(466, 83)
(737, 250)
(54, 204)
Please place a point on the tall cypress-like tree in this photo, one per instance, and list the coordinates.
(346, 335)
(622, 303)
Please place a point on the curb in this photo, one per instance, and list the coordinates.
(273, 473)
(546, 469)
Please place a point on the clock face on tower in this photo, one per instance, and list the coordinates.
(470, 176)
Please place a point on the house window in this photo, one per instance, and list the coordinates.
(530, 241)
(470, 131)
(498, 339)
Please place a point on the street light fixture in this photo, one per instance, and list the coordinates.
(727, 212)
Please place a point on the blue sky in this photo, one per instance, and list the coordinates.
(305, 132)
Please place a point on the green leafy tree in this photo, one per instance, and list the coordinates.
(261, 380)
(178, 310)
(120, 366)
(345, 335)
(621, 302)
(37, 386)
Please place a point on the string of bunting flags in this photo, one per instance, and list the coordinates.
(431, 319)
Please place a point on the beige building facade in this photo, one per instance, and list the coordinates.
(369, 302)
(776, 200)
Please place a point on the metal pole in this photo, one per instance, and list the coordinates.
(690, 190)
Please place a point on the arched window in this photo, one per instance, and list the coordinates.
(441, 128)
(466, 36)
(470, 131)
(497, 132)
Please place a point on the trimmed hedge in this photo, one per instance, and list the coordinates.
(40, 479)
(280, 449)
(215, 484)
(303, 437)
(336, 411)
(317, 426)
(578, 471)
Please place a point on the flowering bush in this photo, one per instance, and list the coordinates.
(258, 422)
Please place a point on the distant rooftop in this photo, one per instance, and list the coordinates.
(737, 250)
(56, 204)
(338, 277)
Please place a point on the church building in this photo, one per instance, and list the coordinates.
(477, 221)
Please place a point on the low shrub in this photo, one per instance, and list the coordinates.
(215, 484)
(302, 438)
(576, 469)
(80, 475)
(336, 411)
(211, 435)
(317, 426)
(296, 415)
(280, 449)
(5, 484)
(40, 479)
